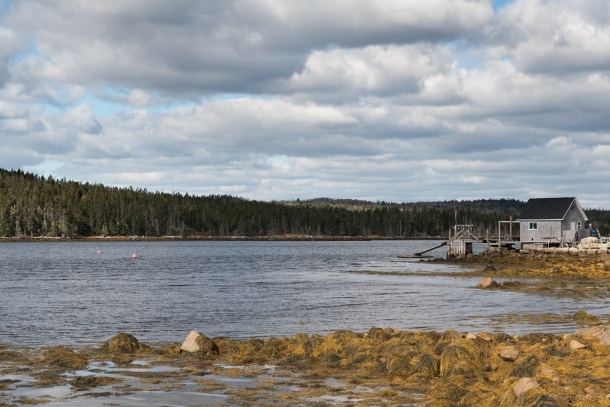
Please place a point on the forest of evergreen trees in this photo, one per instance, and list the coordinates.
(35, 206)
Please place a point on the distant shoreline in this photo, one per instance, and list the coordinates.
(213, 238)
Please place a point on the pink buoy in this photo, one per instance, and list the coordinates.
(134, 256)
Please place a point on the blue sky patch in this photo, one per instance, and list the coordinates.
(498, 4)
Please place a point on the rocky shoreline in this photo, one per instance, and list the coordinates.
(383, 367)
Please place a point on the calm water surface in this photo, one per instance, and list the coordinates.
(86, 292)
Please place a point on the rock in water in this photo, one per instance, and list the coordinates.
(582, 317)
(197, 342)
(487, 282)
(123, 343)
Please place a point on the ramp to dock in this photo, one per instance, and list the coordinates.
(419, 254)
(430, 249)
(460, 243)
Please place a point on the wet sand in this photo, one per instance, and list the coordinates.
(381, 367)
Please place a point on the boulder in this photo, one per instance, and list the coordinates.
(123, 343)
(589, 240)
(523, 385)
(583, 317)
(574, 344)
(379, 334)
(487, 282)
(197, 342)
(509, 284)
(490, 267)
(486, 336)
(62, 357)
(602, 332)
(509, 353)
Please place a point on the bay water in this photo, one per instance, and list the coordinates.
(75, 293)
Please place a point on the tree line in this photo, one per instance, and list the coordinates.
(35, 206)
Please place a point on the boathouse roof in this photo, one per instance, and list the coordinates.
(549, 208)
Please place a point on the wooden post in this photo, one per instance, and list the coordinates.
(499, 234)
(511, 228)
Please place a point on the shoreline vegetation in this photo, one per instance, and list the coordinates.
(33, 205)
(384, 366)
(284, 237)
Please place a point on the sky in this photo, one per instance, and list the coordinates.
(381, 100)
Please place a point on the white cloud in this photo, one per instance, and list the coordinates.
(370, 70)
(558, 37)
(269, 99)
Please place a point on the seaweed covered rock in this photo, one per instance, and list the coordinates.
(61, 357)
(583, 317)
(457, 360)
(197, 342)
(124, 343)
(602, 332)
(427, 365)
(379, 334)
(490, 267)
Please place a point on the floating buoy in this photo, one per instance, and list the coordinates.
(99, 251)
(134, 256)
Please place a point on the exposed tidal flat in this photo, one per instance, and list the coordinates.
(377, 357)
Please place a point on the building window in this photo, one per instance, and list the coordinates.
(533, 226)
(578, 225)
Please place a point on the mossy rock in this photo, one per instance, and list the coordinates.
(81, 383)
(583, 317)
(274, 347)
(208, 347)
(298, 361)
(526, 368)
(380, 334)
(456, 358)
(427, 365)
(64, 358)
(540, 339)
(401, 363)
(124, 343)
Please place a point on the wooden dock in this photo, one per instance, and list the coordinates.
(462, 238)
(504, 239)
(460, 243)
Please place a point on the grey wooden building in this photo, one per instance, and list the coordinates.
(548, 222)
